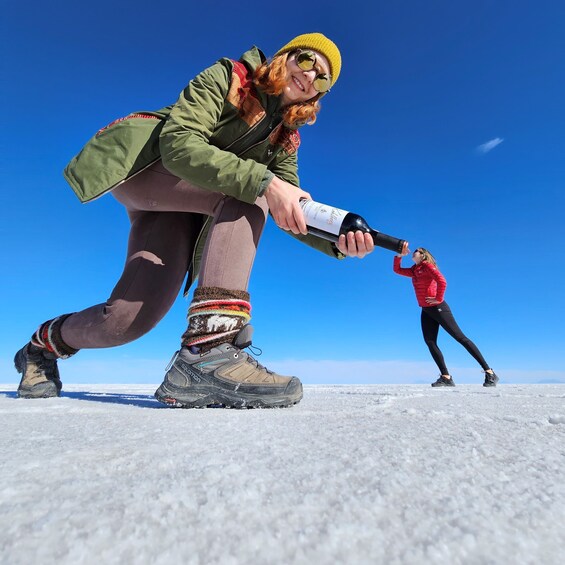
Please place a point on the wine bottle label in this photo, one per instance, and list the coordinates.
(323, 217)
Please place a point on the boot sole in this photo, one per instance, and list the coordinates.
(38, 394)
(222, 398)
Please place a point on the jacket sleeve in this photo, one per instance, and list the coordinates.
(184, 140)
(440, 280)
(287, 169)
(401, 270)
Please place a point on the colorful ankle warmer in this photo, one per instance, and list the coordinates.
(215, 316)
(48, 336)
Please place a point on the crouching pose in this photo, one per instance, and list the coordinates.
(198, 179)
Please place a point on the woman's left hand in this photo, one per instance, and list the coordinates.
(356, 244)
(432, 301)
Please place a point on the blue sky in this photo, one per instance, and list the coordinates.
(445, 128)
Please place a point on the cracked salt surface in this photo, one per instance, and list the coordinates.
(401, 474)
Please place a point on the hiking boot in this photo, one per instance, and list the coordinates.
(443, 381)
(40, 375)
(490, 379)
(226, 376)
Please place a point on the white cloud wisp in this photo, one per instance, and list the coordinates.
(489, 145)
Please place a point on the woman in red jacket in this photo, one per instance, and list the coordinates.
(430, 286)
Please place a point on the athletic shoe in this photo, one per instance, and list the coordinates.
(490, 379)
(226, 376)
(40, 375)
(442, 381)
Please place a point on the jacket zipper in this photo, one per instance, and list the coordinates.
(258, 137)
(266, 124)
(244, 136)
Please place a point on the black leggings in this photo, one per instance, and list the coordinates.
(435, 316)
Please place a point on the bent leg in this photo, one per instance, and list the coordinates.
(157, 190)
(160, 246)
(232, 243)
(220, 306)
(236, 228)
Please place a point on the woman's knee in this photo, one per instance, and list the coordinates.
(233, 209)
(243, 218)
(126, 321)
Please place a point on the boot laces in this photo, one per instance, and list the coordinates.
(250, 359)
(42, 365)
(44, 369)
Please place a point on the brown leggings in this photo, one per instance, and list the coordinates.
(164, 212)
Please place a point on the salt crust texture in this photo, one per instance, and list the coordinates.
(392, 474)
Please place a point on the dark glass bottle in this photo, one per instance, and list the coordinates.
(329, 223)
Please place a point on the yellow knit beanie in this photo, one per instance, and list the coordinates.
(320, 43)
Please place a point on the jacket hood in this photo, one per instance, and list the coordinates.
(253, 58)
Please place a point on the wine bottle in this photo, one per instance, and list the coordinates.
(329, 223)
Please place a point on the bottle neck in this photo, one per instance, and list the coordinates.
(387, 241)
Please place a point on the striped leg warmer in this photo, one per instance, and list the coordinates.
(215, 316)
(48, 337)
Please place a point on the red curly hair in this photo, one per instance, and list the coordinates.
(271, 78)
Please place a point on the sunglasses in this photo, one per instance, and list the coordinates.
(306, 60)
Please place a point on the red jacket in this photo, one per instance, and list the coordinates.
(426, 278)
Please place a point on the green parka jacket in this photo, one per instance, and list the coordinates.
(222, 134)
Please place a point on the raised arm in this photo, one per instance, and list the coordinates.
(399, 270)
